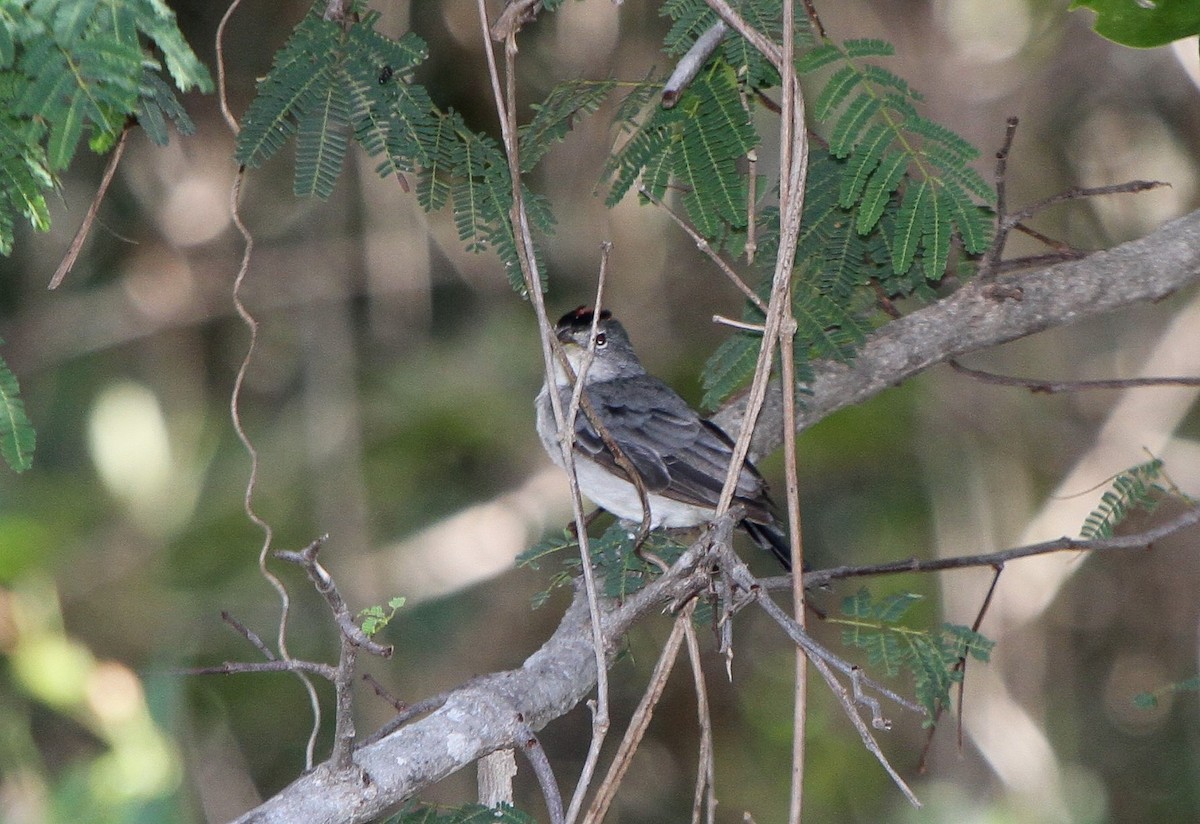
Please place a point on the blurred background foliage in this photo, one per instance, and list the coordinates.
(391, 401)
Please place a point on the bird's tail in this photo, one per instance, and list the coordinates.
(771, 538)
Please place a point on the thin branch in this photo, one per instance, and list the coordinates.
(222, 90)
(290, 665)
(704, 246)
(324, 583)
(607, 790)
(235, 414)
(706, 786)
(426, 705)
(689, 65)
(868, 740)
(992, 258)
(1056, 387)
(85, 228)
(752, 35)
(1078, 192)
(506, 112)
(249, 634)
(384, 693)
(1140, 540)
(824, 661)
(532, 748)
(739, 324)
(814, 22)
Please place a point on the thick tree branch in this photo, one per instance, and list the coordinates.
(982, 315)
(493, 711)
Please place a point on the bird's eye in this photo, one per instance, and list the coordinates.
(601, 340)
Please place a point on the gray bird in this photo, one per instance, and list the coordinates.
(681, 457)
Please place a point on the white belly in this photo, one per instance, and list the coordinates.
(616, 495)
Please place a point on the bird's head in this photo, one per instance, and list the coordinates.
(614, 355)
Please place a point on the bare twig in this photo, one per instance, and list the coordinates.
(222, 91)
(384, 693)
(545, 775)
(992, 258)
(1140, 540)
(1055, 387)
(756, 38)
(430, 704)
(321, 579)
(705, 797)
(814, 22)
(249, 634)
(607, 790)
(704, 246)
(291, 665)
(506, 112)
(110, 170)
(689, 65)
(235, 414)
(794, 153)
(825, 661)
(1078, 192)
(868, 740)
(739, 324)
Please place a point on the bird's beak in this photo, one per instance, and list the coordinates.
(564, 336)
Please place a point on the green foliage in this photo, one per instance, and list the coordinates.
(75, 67)
(1136, 488)
(622, 570)
(557, 114)
(376, 617)
(1143, 24)
(932, 657)
(466, 814)
(697, 144)
(897, 159)
(17, 438)
(331, 82)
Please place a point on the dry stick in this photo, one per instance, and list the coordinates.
(1055, 387)
(822, 659)
(959, 666)
(222, 92)
(290, 665)
(235, 414)
(352, 640)
(525, 254)
(1077, 192)
(607, 790)
(85, 228)
(992, 259)
(704, 246)
(430, 704)
(249, 634)
(752, 35)
(865, 734)
(813, 20)
(706, 790)
(236, 396)
(689, 65)
(1140, 540)
(384, 693)
(545, 775)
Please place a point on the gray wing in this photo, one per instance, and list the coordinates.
(677, 453)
